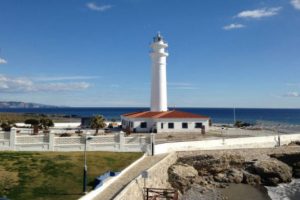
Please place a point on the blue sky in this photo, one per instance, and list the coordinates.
(96, 53)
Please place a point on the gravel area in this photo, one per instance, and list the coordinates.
(214, 133)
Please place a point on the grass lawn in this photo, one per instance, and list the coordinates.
(54, 175)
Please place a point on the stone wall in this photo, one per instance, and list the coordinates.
(157, 178)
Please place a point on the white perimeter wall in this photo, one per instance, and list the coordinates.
(234, 143)
(56, 125)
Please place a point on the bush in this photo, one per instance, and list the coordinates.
(241, 124)
(7, 125)
(66, 135)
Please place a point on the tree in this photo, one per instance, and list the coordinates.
(34, 124)
(97, 122)
(6, 125)
(45, 123)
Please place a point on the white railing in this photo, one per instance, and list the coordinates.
(69, 140)
(24, 140)
(32, 139)
(4, 135)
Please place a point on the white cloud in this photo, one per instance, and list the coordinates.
(296, 4)
(64, 78)
(2, 61)
(292, 94)
(259, 13)
(100, 8)
(233, 26)
(20, 84)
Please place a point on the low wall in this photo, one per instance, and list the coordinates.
(93, 194)
(157, 178)
(56, 124)
(16, 140)
(233, 143)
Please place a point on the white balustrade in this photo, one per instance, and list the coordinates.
(24, 140)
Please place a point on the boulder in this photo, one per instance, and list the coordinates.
(210, 165)
(221, 178)
(234, 176)
(272, 172)
(181, 176)
(292, 159)
(230, 176)
(251, 179)
(235, 160)
(206, 164)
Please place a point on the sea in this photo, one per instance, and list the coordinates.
(286, 117)
(218, 115)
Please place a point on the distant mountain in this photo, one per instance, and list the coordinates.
(18, 104)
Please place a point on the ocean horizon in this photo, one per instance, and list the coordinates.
(218, 115)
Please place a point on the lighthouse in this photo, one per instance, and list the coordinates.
(159, 119)
(159, 56)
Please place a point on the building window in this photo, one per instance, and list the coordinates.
(143, 124)
(131, 124)
(170, 125)
(198, 125)
(184, 125)
(162, 125)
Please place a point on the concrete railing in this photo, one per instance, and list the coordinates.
(93, 194)
(19, 141)
(230, 143)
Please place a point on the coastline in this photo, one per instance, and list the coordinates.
(222, 174)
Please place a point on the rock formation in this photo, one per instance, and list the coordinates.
(205, 172)
(291, 159)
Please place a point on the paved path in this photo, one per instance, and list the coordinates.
(126, 178)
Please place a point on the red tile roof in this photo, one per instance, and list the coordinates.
(165, 114)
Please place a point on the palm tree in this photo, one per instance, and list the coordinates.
(97, 122)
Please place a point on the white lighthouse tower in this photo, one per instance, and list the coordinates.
(159, 74)
(159, 119)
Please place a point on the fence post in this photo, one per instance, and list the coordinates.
(51, 141)
(121, 141)
(12, 138)
(152, 144)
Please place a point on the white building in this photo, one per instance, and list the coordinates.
(159, 119)
(164, 122)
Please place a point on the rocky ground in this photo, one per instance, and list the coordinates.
(197, 175)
